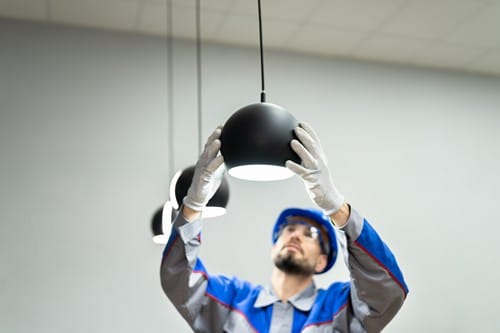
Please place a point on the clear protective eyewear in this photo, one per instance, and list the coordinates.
(307, 230)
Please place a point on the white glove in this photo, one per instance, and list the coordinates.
(314, 170)
(208, 174)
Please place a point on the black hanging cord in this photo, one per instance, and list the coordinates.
(263, 90)
(198, 72)
(170, 88)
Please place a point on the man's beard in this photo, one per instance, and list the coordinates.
(288, 264)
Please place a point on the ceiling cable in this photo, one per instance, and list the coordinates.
(198, 74)
(170, 89)
(263, 90)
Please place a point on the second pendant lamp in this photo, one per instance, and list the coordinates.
(181, 181)
(180, 184)
(256, 138)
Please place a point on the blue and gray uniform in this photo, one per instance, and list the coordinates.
(215, 303)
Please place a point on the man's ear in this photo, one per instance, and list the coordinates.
(321, 263)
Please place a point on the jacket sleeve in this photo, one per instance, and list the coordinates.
(378, 289)
(185, 280)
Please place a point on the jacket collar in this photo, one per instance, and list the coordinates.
(302, 301)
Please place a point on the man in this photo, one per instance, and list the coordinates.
(304, 244)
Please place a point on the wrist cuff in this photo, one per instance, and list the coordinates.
(193, 205)
(336, 204)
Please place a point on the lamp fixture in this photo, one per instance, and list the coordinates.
(179, 186)
(157, 227)
(256, 138)
(160, 230)
(181, 181)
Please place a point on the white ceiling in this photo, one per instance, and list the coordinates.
(455, 34)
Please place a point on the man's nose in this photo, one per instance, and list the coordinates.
(296, 234)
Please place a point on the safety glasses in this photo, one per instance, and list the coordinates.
(308, 231)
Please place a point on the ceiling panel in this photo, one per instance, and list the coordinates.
(284, 10)
(221, 5)
(212, 22)
(389, 48)
(236, 29)
(325, 41)
(183, 24)
(152, 18)
(106, 14)
(358, 15)
(430, 19)
(458, 34)
(24, 9)
(482, 29)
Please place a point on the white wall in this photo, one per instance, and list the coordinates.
(84, 164)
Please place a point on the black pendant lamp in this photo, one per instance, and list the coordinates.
(180, 184)
(160, 230)
(157, 227)
(181, 181)
(256, 138)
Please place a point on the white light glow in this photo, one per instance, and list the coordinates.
(260, 172)
(166, 224)
(209, 212)
(160, 239)
(166, 219)
(173, 183)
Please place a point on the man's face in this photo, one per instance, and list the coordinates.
(297, 250)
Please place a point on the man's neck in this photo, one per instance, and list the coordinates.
(285, 285)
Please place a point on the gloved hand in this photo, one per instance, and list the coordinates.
(208, 174)
(314, 170)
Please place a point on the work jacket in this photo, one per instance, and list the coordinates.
(215, 303)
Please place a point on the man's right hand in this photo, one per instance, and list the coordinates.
(207, 177)
(314, 170)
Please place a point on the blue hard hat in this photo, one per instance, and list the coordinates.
(317, 216)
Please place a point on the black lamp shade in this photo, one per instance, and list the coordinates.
(156, 222)
(164, 214)
(259, 134)
(220, 198)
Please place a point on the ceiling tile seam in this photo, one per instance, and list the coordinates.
(139, 15)
(465, 19)
(342, 28)
(292, 36)
(442, 39)
(48, 10)
(264, 19)
(50, 19)
(225, 16)
(184, 5)
(322, 26)
(231, 12)
(371, 34)
(302, 23)
(174, 6)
